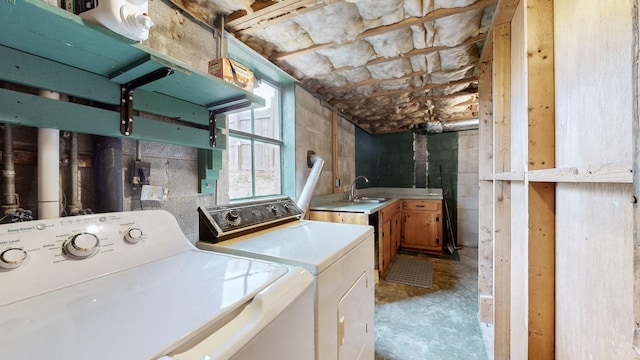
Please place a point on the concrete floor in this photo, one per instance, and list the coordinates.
(437, 323)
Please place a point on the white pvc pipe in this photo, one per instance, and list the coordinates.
(48, 168)
(305, 196)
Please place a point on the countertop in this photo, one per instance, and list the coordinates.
(336, 202)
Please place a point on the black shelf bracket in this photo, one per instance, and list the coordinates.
(212, 128)
(126, 97)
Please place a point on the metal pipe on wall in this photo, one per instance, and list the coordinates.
(48, 168)
(108, 174)
(74, 202)
(9, 200)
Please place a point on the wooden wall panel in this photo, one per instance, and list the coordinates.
(594, 272)
(594, 113)
(593, 82)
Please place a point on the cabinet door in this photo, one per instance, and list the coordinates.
(420, 230)
(386, 237)
(396, 230)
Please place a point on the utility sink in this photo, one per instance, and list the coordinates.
(367, 199)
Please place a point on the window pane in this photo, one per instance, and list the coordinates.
(266, 118)
(240, 121)
(267, 165)
(240, 177)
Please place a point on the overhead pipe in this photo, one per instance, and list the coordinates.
(315, 163)
(9, 198)
(437, 127)
(48, 167)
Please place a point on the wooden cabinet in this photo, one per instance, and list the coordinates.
(340, 217)
(422, 225)
(389, 226)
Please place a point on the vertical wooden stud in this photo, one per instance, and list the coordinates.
(541, 196)
(501, 199)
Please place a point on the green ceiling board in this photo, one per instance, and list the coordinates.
(30, 110)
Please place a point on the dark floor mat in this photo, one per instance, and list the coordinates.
(411, 270)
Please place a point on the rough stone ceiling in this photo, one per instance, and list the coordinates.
(386, 65)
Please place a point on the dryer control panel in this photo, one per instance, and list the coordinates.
(218, 223)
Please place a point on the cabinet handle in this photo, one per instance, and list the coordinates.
(437, 219)
(421, 206)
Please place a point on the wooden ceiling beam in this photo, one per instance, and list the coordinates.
(436, 14)
(405, 91)
(242, 23)
(403, 56)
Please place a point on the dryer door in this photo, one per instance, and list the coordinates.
(355, 322)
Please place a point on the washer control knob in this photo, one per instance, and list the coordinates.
(273, 208)
(133, 235)
(12, 258)
(82, 245)
(233, 215)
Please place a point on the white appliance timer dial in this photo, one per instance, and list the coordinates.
(12, 258)
(82, 245)
(133, 235)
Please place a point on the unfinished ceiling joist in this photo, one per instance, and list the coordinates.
(414, 60)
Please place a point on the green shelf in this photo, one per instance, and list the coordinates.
(49, 48)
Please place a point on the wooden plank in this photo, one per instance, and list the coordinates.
(485, 115)
(636, 181)
(436, 14)
(30, 110)
(485, 195)
(502, 209)
(334, 152)
(541, 155)
(503, 15)
(502, 98)
(606, 173)
(485, 250)
(509, 176)
(502, 271)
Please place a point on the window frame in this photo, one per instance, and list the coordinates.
(252, 138)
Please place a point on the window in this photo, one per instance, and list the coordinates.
(255, 146)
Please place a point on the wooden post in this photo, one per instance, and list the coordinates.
(541, 196)
(502, 209)
(334, 151)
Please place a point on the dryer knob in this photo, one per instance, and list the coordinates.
(82, 245)
(133, 235)
(12, 258)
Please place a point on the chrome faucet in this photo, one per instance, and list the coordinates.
(353, 193)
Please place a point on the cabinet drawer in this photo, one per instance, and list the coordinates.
(426, 205)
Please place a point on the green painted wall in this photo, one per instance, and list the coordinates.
(385, 159)
(443, 153)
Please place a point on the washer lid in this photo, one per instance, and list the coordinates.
(136, 313)
(312, 245)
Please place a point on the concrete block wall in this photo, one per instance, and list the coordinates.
(346, 153)
(313, 132)
(467, 201)
(173, 167)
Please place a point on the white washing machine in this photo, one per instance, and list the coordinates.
(130, 286)
(339, 256)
